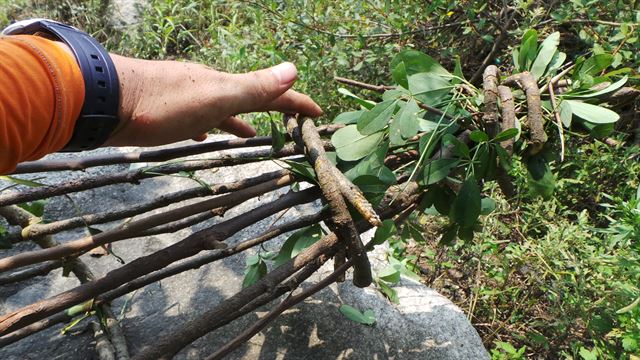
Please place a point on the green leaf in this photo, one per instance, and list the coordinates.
(349, 117)
(465, 233)
(390, 274)
(459, 148)
(35, 208)
(613, 87)
(528, 49)
(376, 119)
(389, 292)
(487, 206)
(587, 354)
(466, 207)
(437, 170)
(594, 65)
(19, 181)
(457, 71)
(399, 75)
(429, 88)
(351, 145)
(373, 165)
(629, 307)
(408, 119)
(277, 138)
(80, 308)
(353, 314)
(372, 187)
(556, 62)
(479, 136)
(364, 103)
(629, 344)
(254, 273)
(417, 62)
(565, 114)
(449, 234)
(384, 232)
(540, 179)
(297, 242)
(302, 169)
(506, 135)
(442, 197)
(592, 113)
(545, 55)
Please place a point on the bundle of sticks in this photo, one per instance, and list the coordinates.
(201, 247)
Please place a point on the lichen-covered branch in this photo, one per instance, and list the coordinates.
(491, 78)
(528, 84)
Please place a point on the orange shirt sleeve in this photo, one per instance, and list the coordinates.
(41, 95)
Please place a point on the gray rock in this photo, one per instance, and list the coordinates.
(425, 325)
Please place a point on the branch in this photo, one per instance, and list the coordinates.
(534, 108)
(491, 77)
(187, 247)
(40, 229)
(554, 106)
(303, 131)
(288, 303)
(77, 247)
(135, 176)
(169, 271)
(508, 115)
(38, 270)
(151, 155)
(383, 88)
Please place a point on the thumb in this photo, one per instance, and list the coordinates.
(255, 90)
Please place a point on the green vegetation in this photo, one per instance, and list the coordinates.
(552, 272)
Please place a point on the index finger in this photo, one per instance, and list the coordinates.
(293, 102)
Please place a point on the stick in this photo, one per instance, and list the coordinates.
(40, 229)
(188, 247)
(38, 270)
(151, 155)
(534, 108)
(304, 130)
(172, 270)
(554, 106)
(135, 176)
(288, 303)
(508, 115)
(491, 77)
(77, 247)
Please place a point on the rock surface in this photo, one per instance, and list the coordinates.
(424, 326)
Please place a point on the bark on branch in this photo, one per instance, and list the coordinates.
(528, 84)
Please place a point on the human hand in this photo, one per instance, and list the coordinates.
(167, 101)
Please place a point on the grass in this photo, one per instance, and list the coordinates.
(546, 278)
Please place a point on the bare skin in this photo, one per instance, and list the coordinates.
(162, 102)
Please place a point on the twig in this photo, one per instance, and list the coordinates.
(288, 303)
(497, 44)
(135, 176)
(40, 229)
(554, 106)
(167, 272)
(187, 247)
(534, 108)
(151, 155)
(383, 88)
(76, 247)
(554, 80)
(38, 270)
(304, 131)
(508, 115)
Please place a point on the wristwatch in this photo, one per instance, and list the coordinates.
(99, 115)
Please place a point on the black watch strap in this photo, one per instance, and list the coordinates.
(99, 115)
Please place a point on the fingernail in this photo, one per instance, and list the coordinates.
(285, 72)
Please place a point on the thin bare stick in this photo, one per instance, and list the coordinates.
(288, 303)
(135, 176)
(151, 155)
(76, 247)
(37, 270)
(554, 106)
(169, 271)
(55, 227)
(188, 247)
